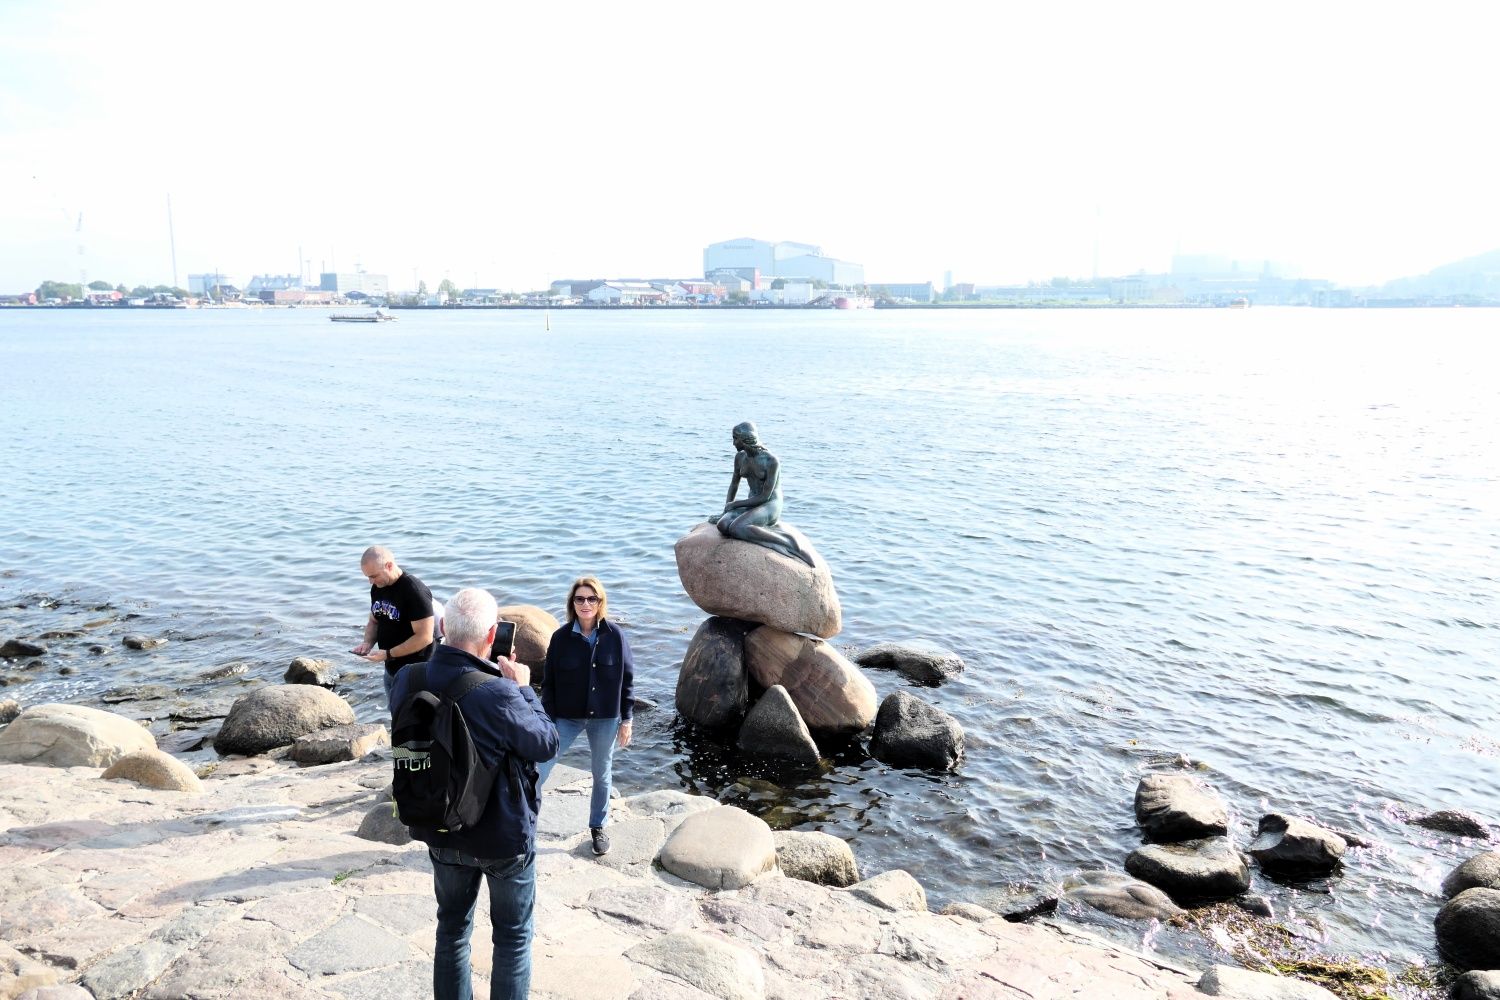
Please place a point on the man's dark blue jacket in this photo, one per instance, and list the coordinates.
(503, 717)
(584, 682)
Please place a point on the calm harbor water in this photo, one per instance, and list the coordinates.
(1263, 541)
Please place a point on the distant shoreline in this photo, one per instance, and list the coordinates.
(926, 306)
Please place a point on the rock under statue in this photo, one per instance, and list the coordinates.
(754, 518)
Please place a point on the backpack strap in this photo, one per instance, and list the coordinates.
(418, 679)
(466, 682)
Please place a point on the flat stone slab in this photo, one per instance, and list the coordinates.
(711, 964)
(350, 945)
(1242, 984)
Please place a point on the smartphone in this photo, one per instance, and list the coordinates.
(505, 640)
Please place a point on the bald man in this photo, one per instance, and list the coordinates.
(401, 617)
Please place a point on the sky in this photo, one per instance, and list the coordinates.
(508, 145)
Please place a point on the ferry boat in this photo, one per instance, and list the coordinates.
(853, 302)
(375, 317)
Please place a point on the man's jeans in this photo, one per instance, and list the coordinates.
(601, 760)
(390, 682)
(512, 881)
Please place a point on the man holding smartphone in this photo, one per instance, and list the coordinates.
(401, 621)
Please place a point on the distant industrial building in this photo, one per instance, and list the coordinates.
(907, 292)
(204, 284)
(781, 260)
(343, 284)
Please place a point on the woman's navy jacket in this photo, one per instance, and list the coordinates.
(581, 682)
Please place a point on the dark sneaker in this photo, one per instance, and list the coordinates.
(601, 840)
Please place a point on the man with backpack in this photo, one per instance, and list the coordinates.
(456, 727)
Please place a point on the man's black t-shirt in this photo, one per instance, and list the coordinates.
(394, 609)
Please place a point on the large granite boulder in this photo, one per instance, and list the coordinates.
(1290, 843)
(1468, 929)
(725, 576)
(1120, 896)
(1477, 986)
(774, 728)
(713, 686)
(271, 717)
(815, 857)
(1173, 807)
(71, 736)
(1192, 870)
(720, 848)
(350, 742)
(1482, 871)
(534, 628)
(831, 693)
(154, 769)
(308, 670)
(911, 733)
(1242, 984)
(925, 662)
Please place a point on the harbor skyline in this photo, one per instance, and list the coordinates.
(512, 148)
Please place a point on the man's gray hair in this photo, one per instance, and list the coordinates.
(469, 615)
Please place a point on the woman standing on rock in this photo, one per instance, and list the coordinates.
(586, 689)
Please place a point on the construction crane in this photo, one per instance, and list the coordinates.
(83, 274)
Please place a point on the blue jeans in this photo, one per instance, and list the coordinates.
(512, 881)
(601, 760)
(390, 682)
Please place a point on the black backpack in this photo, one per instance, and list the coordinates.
(440, 781)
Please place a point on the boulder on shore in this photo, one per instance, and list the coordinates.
(337, 743)
(1453, 821)
(726, 576)
(1468, 929)
(9, 709)
(720, 848)
(1120, 895)
(911, 733)
(1291, 843)
(1243, 984)
(924, 662)
(831, 693)
(534, 628)
(307, 670)
(14, 649)
(1482, 871)
(815, 857)
(154, 769)
(774, 728)
(271, 717)
(71, 736)
(713, 686)
(1193, 869)
(1477, 986)
(1174, 807)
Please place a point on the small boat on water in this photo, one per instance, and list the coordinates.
(375, 317)
(853, 302)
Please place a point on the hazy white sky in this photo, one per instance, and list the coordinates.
(510, 144)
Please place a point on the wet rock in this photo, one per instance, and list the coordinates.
(1289, 843)
(1482, 871)
(713, 684)
(1242, 984)
(1020, 902)
(15, 649)
(71, 736)
(225, 672)
(1192, 870)
(135, 641)
(1258, 906)
(925, 662)
(9, 709)
(337, 743)
(1120, 896)
(815, 857)
(774, 728)
(61, 633)
(1176, 807)
(720, 848)
(894, 890)
(1453, 821)
(1468, 929)
(272, 717)
(184, 740)
(154, 769)
(137, 692)
(94, 650)
(911, 733)
(831, 694)
(382, 826)
(725, 576)
(534, 628)
(306, 670)
(643, 704)
(1477, 986)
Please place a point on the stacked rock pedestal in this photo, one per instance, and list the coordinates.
(771, 614)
